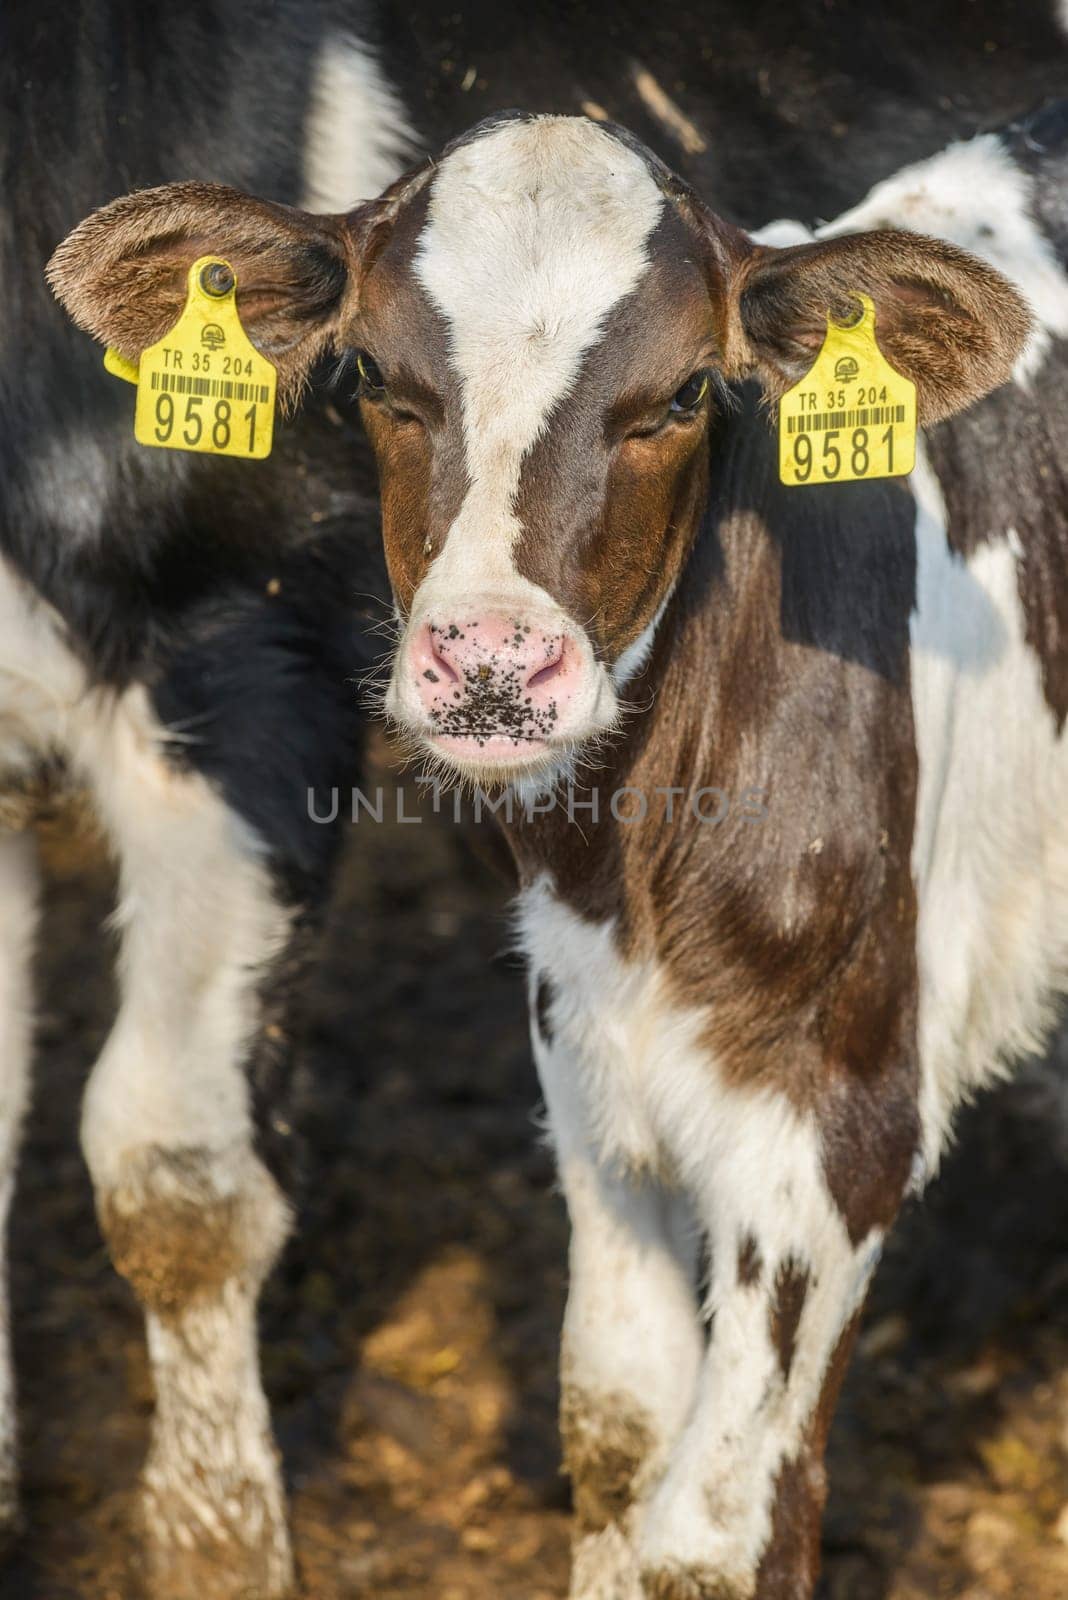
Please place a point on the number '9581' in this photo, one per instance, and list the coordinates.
(190, 424)
(855, 450)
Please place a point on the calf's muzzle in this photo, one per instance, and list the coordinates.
(494, 685)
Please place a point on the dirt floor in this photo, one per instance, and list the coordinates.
(410, 1334)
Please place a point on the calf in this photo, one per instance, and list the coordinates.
(751, 1035)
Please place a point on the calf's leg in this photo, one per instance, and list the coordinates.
(18, 921)
(796, 1209)
(192, 1217)
(632, 1341)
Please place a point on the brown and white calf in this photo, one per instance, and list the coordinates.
(751, 1034)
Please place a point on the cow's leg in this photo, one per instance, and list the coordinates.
(18, 921)
(737, 1514)
(632, 1340)
(192, 1217)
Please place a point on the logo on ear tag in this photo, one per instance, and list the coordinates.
(852, 416)
(204, 386)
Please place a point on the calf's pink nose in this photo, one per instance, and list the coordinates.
(493, 678)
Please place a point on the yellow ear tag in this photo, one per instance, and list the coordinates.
(205, 386)
(852, 416)
(119, 367)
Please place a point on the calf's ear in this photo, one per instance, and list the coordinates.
(122, 274)
(946, 320)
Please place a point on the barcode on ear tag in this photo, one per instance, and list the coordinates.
(851, 416)
(204, 386)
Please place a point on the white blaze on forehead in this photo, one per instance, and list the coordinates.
(535, 231)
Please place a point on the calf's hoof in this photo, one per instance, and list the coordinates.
(691, 1583)
(604, 1568)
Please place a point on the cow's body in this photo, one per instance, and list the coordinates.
(179, 637)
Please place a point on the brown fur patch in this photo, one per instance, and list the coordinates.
(616, 475)
(795, 935)
(784, 1313)
(544, 998)
(750, 1262)
(47, 797)
(790, 1565)
(416, 426)
(606, 1444)
(21, 799)
(869, 1133)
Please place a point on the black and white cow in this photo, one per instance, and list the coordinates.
(179, 636)
(182, 632)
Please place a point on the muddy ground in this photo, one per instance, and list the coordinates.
(410, 1333)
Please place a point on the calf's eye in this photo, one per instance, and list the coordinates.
(693, 391)
(371, 380)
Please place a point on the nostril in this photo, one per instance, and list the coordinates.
(545, 673)
(429, 663)
(442, 668)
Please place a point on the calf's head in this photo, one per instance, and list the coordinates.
(543, 325)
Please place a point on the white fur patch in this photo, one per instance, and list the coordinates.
(604, 1567)
(41, 682)
(200, 924)
(782, 233)
(212, 1473)
(18, 923)
(632, 1329)
(974, 195)
(358, 136)
(990, 855)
